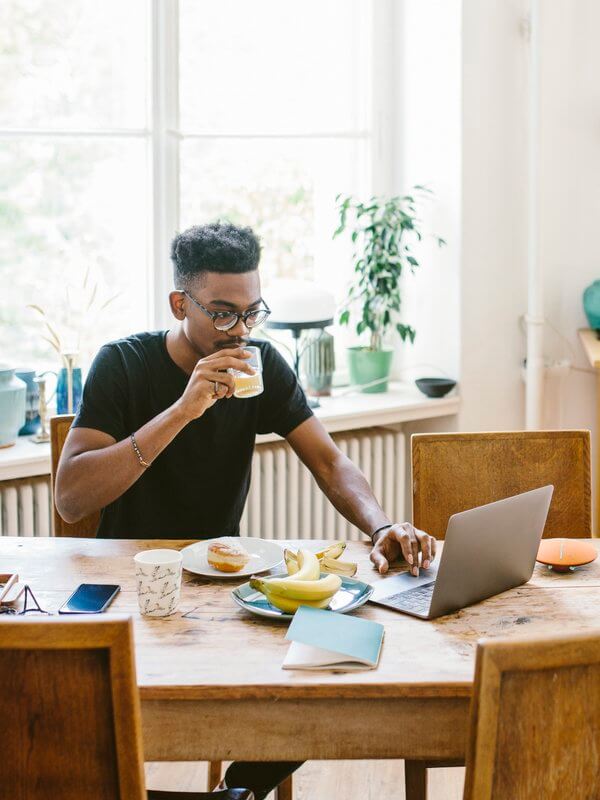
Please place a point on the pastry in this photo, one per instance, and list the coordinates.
(227, 557)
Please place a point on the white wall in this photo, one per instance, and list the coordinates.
(469, 298)
(570, 193)
(483, 271)
(428, 152)
(494, 246)
(493, 279)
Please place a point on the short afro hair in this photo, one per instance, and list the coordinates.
(217, 247)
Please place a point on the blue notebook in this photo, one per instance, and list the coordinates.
(323, 639)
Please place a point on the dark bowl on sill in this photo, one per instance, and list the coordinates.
(435, 387)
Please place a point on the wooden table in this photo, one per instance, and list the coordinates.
(210, 676)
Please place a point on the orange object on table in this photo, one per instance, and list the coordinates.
(562, 554)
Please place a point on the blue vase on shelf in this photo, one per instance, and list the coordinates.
(591, 305)
(62, 391)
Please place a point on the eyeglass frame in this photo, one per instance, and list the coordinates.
(217, 314)
(36, 608)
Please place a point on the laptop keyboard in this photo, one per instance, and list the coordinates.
(417, 599)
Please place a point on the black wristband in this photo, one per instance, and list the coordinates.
(383, 527)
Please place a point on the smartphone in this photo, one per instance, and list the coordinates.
(90, 598)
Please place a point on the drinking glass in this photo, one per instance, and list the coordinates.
(249, 385)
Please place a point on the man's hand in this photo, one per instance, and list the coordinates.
(210, 381)
(402, 541)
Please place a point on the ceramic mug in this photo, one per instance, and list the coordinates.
(158, 577)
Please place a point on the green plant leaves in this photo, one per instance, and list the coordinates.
(406, 331)
(382, 231)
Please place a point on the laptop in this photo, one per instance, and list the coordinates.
(487, 550)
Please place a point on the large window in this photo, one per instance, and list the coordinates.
(122, 122)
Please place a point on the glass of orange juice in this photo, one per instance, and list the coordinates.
(249, 385)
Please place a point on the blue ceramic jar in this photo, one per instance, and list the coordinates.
(12, 405)
(591, 304)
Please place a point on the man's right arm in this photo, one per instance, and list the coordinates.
(95, 469)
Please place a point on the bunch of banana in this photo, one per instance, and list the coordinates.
(328, 558)
(305, 587)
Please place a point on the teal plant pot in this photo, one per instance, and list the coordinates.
(367, 365)
(12, 405)
(591, 304)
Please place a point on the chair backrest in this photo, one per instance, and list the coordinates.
(70, 710)
(453, 472)
(535, 719)
(86, 527)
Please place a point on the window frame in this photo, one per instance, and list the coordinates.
(379, 17)
(163, 135)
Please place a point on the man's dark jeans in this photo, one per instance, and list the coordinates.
(262, 777)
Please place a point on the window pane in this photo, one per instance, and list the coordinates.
(284, 189)
(67, 207)
(73, 63)
(273, 66)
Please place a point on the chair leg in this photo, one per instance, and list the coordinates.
(214, 774)
(285, 790)
(415, 780)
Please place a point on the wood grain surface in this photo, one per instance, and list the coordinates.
(69, 699)
(452, 472)
(534, 723)
(210, 676)
(60, 426)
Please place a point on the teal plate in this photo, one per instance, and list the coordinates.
(351, 595)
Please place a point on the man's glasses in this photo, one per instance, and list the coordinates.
(225, 320)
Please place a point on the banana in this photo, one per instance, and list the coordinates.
(293, 589)
(334, 551)
(304, 585)
(337, 567)
(302, 567)
(308, 567)
(291, 562)
(291, 606)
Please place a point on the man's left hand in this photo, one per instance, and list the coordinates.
(402, 540)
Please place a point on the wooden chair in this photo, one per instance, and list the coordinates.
(453, 472)
(70, 708)
(86, 527)
(535, 719)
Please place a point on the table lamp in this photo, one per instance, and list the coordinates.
(299, 306)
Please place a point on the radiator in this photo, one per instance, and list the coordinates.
(25, 507)
(284, 501)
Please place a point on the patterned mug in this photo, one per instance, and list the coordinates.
(158, 576)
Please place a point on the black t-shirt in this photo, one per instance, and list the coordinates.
(196, 488)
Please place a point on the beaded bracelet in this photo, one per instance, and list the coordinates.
(137, 452)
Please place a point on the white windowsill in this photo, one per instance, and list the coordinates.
(403, 403)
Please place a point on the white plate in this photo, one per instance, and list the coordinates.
(264, 555)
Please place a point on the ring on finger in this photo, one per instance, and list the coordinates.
(216, 388)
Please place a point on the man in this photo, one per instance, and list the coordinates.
(163, 448)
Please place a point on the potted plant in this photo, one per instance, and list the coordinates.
(383, 232)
